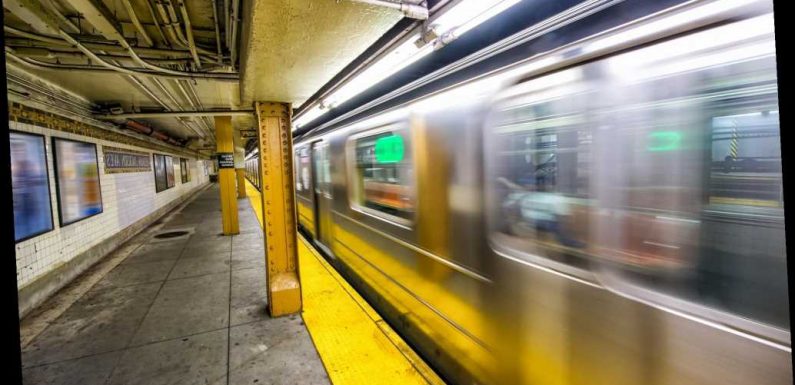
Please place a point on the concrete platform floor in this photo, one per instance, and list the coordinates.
(183, 310)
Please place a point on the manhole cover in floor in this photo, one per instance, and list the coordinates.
(171, 234)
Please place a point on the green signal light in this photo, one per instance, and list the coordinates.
(665, 140)
(389, 149)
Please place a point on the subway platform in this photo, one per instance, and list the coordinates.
(187, 308)
(182, 304)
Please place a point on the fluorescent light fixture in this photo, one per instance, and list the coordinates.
(668, 23)
(461, 18)
(696, 51)
(309, 116)
(395, 60)
(468, 14)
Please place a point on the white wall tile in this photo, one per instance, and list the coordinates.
(126, 198)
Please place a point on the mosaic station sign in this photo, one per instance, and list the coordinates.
(119, 160)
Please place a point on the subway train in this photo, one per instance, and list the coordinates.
(606, 212)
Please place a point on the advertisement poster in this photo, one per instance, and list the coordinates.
(170, 171)
(77, 174)
(183, 168)
(160, 173)
(30, 186)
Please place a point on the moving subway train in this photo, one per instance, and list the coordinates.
(606, 212)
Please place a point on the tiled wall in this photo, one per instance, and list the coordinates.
(126, 198)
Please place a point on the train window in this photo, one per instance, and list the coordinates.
(322, 168)
(252, 171)
(667, 172)
(541, 170)
(746, 152)
(697, 136)
(303, 181)
(383, 181)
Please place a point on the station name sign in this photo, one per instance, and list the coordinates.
(226, 160)
(119, 160)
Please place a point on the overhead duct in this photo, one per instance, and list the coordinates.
(149, 131)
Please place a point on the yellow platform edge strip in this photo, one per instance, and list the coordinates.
(354, 343)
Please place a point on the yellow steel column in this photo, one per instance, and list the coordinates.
(226, 175)
(241, 182)
(278, 206)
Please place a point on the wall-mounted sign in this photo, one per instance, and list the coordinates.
(389, 149)
(226, 160)
(123, 160)
(245, 134)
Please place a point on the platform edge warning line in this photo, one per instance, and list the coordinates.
(378, 353)
(405, 350)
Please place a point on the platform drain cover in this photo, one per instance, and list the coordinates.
(171, 234)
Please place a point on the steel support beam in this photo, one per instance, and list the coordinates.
(278, 206)
(173, 114)
(226, 176)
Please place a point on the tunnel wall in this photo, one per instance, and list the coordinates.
(47, 262)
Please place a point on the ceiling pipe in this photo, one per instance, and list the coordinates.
(157, 99)
(409, 9)
(149, 131)
(46, 53)
(156, 22)
(233, 39)
(172, 14)
(169, 14)
(63, 19)
(217, 31)
(64, 100)
(54, 40)
(137, 23)
(33, 35)
(170, 28)
(178, 74)
(189, 32)
(195, 101)
(171, 114)
(165, 91)
(39, 65)
(137, 82)
(226, 24)
(108, 29)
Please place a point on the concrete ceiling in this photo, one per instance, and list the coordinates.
(290, 48)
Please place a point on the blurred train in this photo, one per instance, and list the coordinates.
(607, 212)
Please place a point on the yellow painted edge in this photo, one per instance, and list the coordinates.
(373, 352)
(428, 375)
(744, 202)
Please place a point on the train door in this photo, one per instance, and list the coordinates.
(321, 175)
(304, 190)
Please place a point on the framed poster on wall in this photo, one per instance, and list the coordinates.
(76, 180)
(30, 186)
(184, 171)
(161, 182)
(169, 171)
